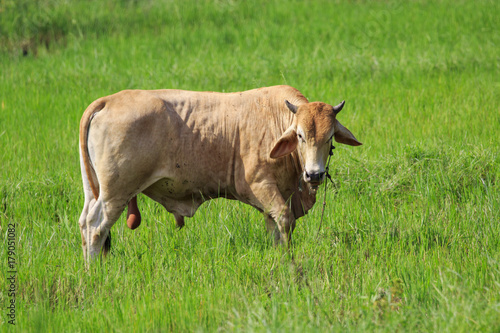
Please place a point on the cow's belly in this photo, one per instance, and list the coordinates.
(183, 197)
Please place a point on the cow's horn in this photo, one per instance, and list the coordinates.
(339, 107)
(292, 107)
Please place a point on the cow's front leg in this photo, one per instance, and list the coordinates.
(285, 221)
(272, 228)
(277, 212)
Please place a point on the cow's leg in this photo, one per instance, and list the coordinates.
(87, 205)
(284, 219)
(102, 216)
(179, 220)
(271, 202)
(82, 222)
(272, 228)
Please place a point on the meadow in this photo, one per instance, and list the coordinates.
(411, 235)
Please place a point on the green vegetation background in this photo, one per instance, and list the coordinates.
(411, 237)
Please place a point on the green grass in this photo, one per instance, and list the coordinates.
(411, 236)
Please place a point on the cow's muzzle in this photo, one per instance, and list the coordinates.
(314, 178)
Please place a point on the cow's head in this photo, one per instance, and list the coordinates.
(312, 131)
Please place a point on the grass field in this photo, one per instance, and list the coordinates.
(411, 236)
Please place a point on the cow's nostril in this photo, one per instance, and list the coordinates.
(314, 177)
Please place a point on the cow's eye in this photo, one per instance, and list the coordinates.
(300, 137)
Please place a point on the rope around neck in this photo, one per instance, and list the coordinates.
(327, 175)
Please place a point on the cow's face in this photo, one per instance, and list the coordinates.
(314, 127)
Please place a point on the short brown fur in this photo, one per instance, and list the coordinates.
(182, 148)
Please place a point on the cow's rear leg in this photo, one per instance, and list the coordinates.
(87, 206)
(82, 222)
(102, 216)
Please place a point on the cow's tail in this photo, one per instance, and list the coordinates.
(84, 149)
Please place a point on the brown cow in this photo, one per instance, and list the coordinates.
(265, 147)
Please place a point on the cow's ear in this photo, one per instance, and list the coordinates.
(286, 144)
(343, 135)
